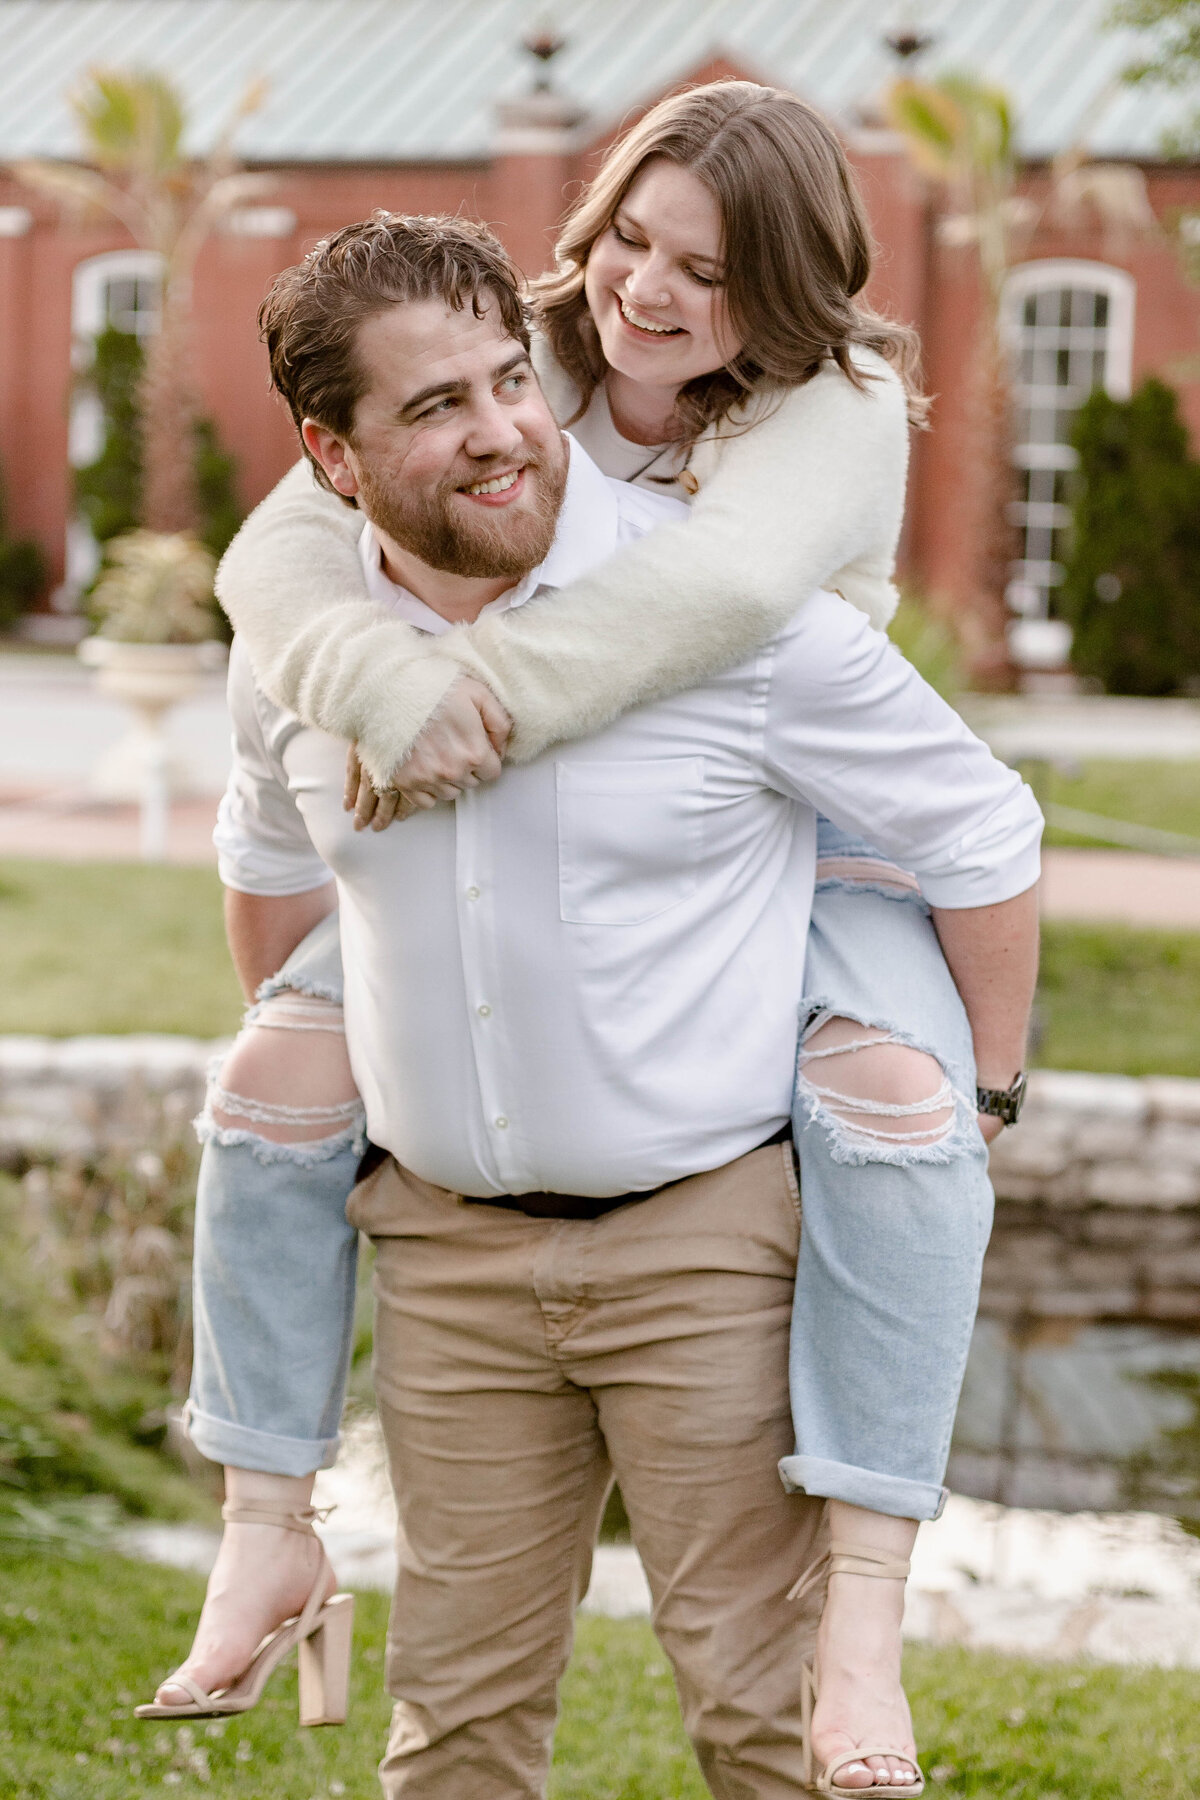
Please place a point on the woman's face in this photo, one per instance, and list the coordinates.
(654, 281)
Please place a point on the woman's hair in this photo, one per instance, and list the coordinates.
(796, 247)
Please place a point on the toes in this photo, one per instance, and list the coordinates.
(884, 1773)
(855, 1774)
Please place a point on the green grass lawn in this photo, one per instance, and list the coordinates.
(113, 947)
(118, 947)
(1164, 795)
(80, 1642)
(1119, 1001)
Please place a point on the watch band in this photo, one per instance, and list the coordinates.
(1002, 1103)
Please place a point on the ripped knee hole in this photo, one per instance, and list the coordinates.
(287, 1077)
(879, 1078)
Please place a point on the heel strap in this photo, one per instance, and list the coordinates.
(843, 1558)
(261, 1512)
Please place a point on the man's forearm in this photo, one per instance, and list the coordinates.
(263, 929)
(992, 953)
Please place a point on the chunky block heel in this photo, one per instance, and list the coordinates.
(324, 1663)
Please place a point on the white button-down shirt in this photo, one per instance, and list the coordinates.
(584, 977)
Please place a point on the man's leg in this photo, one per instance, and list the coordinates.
(500, 1476)
(683, 1341)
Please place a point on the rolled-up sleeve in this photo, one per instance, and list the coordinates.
(850, 727)
(263, 846)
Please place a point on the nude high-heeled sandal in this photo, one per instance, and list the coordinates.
(321, 1633)
(849, 1559)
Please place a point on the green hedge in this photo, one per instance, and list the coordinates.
(1132, 587)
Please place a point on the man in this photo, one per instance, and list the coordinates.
(571, 1010)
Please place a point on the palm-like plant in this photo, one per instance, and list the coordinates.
(132, 125)
(961, 132)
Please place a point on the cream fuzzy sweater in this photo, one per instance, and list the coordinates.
(811, 495)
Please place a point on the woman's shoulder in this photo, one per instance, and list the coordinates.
(830, 404)
(832, 392)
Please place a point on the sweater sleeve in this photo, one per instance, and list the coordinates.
(353, 670)
(814, 488)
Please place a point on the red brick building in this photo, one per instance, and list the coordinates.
(419, 106)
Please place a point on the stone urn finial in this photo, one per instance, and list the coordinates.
(543, 43)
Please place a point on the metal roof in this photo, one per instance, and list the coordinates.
(418, 80)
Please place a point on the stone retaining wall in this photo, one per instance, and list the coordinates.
(1098, 1189)
(1098, 1202)
(87, 1096)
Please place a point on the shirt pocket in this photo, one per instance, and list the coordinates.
(629, 838)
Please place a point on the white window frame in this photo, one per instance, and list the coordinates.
(1033, 580)
(90, 282)
(89, 316)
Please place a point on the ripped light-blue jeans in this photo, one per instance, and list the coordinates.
(893, 1236)
(895, 1222)
(275, 1261)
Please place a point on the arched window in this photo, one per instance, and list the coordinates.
(123, 289)
(1068, 328)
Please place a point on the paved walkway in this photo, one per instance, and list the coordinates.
(1118, 886)
(54, 728)
(1114, 1587)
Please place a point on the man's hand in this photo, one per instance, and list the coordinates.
(459, 748)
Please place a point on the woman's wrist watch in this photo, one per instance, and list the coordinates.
(1002, 1103)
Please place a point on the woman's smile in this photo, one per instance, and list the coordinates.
(645, 326)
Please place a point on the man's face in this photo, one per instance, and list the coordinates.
(454, 455)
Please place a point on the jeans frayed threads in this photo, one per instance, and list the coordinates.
(855, 1143)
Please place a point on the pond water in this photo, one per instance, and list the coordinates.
(1080, 1415)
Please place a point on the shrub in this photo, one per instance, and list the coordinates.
(109, 490)
(929, 645)
(22, 573)
(95, 1337)
(1132, 587)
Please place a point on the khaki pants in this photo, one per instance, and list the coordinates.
(519, 1363)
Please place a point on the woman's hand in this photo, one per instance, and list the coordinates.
(460, 748)
(369, 807)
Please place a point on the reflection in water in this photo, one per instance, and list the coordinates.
(1075, 1415)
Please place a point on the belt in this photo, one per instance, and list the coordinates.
(587, 1206)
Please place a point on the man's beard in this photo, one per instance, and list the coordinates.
(481, 542)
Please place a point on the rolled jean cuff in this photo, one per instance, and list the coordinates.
(241, 1447)
(892, 1494)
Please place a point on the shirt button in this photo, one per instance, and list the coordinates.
(485, 1012)
(501, 1123)
(472, 893)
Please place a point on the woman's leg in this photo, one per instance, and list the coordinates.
(273, 1277)
(897, 1212)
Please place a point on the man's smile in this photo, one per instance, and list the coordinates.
(497, 490)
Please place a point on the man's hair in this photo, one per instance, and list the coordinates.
(311, 316)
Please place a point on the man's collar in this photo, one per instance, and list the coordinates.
(588, 525)
(588, 533)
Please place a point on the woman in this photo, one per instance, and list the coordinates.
(701, 334)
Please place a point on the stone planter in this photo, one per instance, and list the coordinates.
(149, 679)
